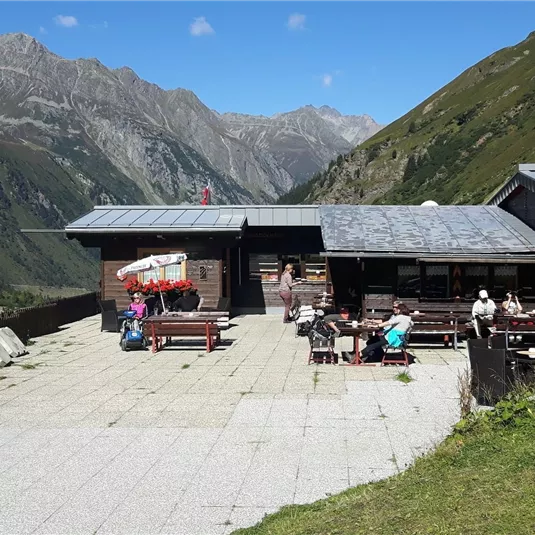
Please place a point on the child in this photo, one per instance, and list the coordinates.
(140, 308)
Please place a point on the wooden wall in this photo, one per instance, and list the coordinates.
(257, 295)
(210, 288)
(119, 253)
(110, 286)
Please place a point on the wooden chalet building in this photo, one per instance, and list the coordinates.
(413, 252)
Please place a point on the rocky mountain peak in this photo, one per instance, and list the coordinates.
(327, 110)
(21, 43)
(304, 140)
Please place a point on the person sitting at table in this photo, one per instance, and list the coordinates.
(483, 312)
(140, 309)
(190, 301)
(396, 328)
(331, 319)
(511, 305)
(378, 351)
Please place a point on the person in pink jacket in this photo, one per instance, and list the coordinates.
(140, 308)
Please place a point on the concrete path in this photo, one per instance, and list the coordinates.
(94, 440)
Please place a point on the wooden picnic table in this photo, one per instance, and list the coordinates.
(511, 324)
(167, 326)
(355, 332)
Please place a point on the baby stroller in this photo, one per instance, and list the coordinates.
(321, 338)
(303, 320)
(132, 332)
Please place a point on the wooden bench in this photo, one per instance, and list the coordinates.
(159, 327)
(513, 325)
(446, 326)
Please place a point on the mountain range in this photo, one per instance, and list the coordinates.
(456, 147)
(74, 133)
(303, 141)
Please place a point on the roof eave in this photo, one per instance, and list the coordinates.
(435, 257)
(152, 230)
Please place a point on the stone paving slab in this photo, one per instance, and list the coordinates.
(96, 440)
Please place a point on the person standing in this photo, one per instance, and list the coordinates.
(285, 290)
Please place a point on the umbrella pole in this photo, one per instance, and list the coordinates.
(161, 296)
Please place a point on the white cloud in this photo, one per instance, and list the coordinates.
(327, 80)
(100, 26)
(200, 26)
(42, 30)
(68, 21)
(296, 21)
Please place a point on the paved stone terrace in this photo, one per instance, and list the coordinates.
(95, 440)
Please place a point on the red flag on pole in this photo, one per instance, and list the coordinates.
(206, 195)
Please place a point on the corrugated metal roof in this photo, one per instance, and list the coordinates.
(419, 230)
(524, 177)
(191, 218)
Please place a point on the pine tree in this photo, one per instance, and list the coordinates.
(412, 167)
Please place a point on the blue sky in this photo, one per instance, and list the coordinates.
(380, 58)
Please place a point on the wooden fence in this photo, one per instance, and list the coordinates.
(35, 321)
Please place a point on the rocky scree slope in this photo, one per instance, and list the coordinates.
(456, 147)
(302, 141)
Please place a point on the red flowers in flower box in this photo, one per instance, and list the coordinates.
(152, 287)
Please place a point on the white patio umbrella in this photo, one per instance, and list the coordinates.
(151, 262)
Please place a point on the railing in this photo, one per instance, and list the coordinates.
(29, 322)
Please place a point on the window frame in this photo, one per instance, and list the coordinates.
(143, 252)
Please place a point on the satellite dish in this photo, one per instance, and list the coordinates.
(429, 203)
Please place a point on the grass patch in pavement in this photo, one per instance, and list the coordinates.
(479, 481)
(404, 377)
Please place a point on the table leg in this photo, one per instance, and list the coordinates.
(153, 335)
(356, 348)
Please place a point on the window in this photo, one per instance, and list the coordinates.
(408, 281)
(505, 280)
(296, 261)
(475, 277)
(263, 267)
(203, 275)
(315, 268)
(175, 272)
(437, 281)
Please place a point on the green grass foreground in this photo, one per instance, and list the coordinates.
(480, 480)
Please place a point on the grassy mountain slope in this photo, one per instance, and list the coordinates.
(38, 189)
(456, 147)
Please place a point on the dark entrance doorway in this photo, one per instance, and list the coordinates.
(346, 276)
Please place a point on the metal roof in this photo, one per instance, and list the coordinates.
(413, 231)
(115, 219)
(139, 219)
(525, 177)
